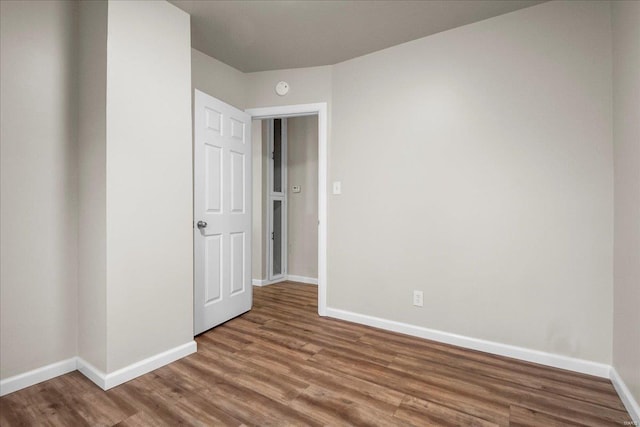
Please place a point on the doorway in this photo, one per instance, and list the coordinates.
(319, 110)
(285, 233)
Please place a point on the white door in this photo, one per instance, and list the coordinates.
(222, 212)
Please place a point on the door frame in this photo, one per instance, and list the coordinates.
(319, 109)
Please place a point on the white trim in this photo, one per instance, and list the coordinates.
(149, 364)
(303, 279)
(94, 374)
(35, 376)
(258, 282)
(306, 110)
(535, 356)
(625, 395)
(291, 277)
(102, 380)
(107, 381)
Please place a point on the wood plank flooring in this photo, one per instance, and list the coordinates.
(281, 364)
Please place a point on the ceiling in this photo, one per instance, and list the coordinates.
(270, 35)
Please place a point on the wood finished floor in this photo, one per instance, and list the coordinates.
(281, 364)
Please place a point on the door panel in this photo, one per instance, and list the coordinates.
(213, 268)
(214, 178)
(238, 193)
(238, 256)
(213, 119)
(222, 205)
(237, 130)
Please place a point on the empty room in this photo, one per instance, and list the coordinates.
(320, 212)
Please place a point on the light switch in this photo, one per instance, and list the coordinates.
(337, 187)
(296, 189)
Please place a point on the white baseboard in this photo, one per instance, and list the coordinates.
(293, 278)
(17, 382)
(625, 395)
(107, 381)
(535, 356)
(303, 279)
(257, 282)
(102, 380)
(94, 374)
(149, 364)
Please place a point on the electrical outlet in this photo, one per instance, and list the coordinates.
(417, 298)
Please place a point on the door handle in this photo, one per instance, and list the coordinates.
(201, 224)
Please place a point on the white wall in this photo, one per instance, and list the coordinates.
(38, 202)
(149, 181)
(92, 163)
(306, 85)
(626, 132)
(96, 155)
(476, 165)
(218, 79)
(302, 208)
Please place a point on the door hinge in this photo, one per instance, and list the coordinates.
(273, 156)
(272, 235)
